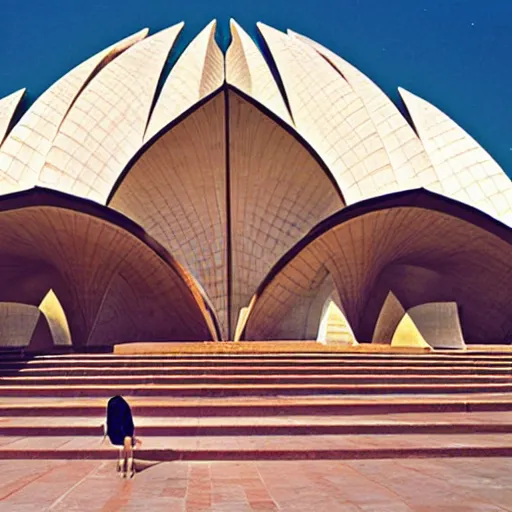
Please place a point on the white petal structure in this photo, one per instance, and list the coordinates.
(106, 125)
(52, 309)
(176, 191)
(411, 164)
(439, 324)
(466, 171)
(475, 266)
(389, 317)
(250, 195)
(24, 152)
(408, 334)
(332, 118)
(198, 73)
(274, 201)
(334, 327)
(248, 71)
(8, 106)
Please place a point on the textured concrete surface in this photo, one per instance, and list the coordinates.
(108, 283)
(248, 71)
(197, 73)
(332, 117)
(26, 148)
(407, 155)
(413, 263)
(241, 156)
(8, 106)
(105, 126)
(176, 191)
(464, 169)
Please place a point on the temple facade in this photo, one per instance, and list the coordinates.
(273, 194)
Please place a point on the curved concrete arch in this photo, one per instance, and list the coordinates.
(300, 322)
(92, 249)
(435, 323)
(247, 70)
(412, 228)
(309, 315)
(407, 334)
(198, 72)
(334, 328)
(390, 316)
(332, 118)
(411, 164)
(183, 205)
(278, 192)
(177, 189)
(439, 324)
(105, 126)
(23, 154)
(8, 106)
(18, 323)
(466, 172)
(26, 281)
(55, 315)
(405, 280)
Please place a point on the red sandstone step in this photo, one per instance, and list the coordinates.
(265, 447)
(252, 370)
(251, 379)
(433, 423)
(199, 390)
(451, 356)
(141, 363)
(258, 406)
(273, 359)
(296, 354)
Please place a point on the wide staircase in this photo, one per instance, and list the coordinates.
(241, 406)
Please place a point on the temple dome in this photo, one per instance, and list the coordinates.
(226, 167)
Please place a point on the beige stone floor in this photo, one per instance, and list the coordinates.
(405, 485)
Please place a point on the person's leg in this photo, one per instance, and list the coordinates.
(120, 462)
(128, 450)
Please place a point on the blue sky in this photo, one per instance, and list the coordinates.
(454, 53)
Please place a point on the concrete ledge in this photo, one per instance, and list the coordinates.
(252, 406)
(258, 455)
(285, 430)
(258, 347)
(241, 390)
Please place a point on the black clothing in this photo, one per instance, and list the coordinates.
(119, 421)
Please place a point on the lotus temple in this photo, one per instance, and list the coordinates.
(271, 192)
(302, 289)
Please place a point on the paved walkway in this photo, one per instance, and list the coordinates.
(434, 485)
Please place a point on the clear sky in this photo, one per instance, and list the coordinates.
(455, 53)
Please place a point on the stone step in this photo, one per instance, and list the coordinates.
(293, 353)
(84, 370)
(430, 356)
(288, 346)
(211, 448)
(233, 390)
(424, 423)
(258, 406)
(233, 380)
(319, 363)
